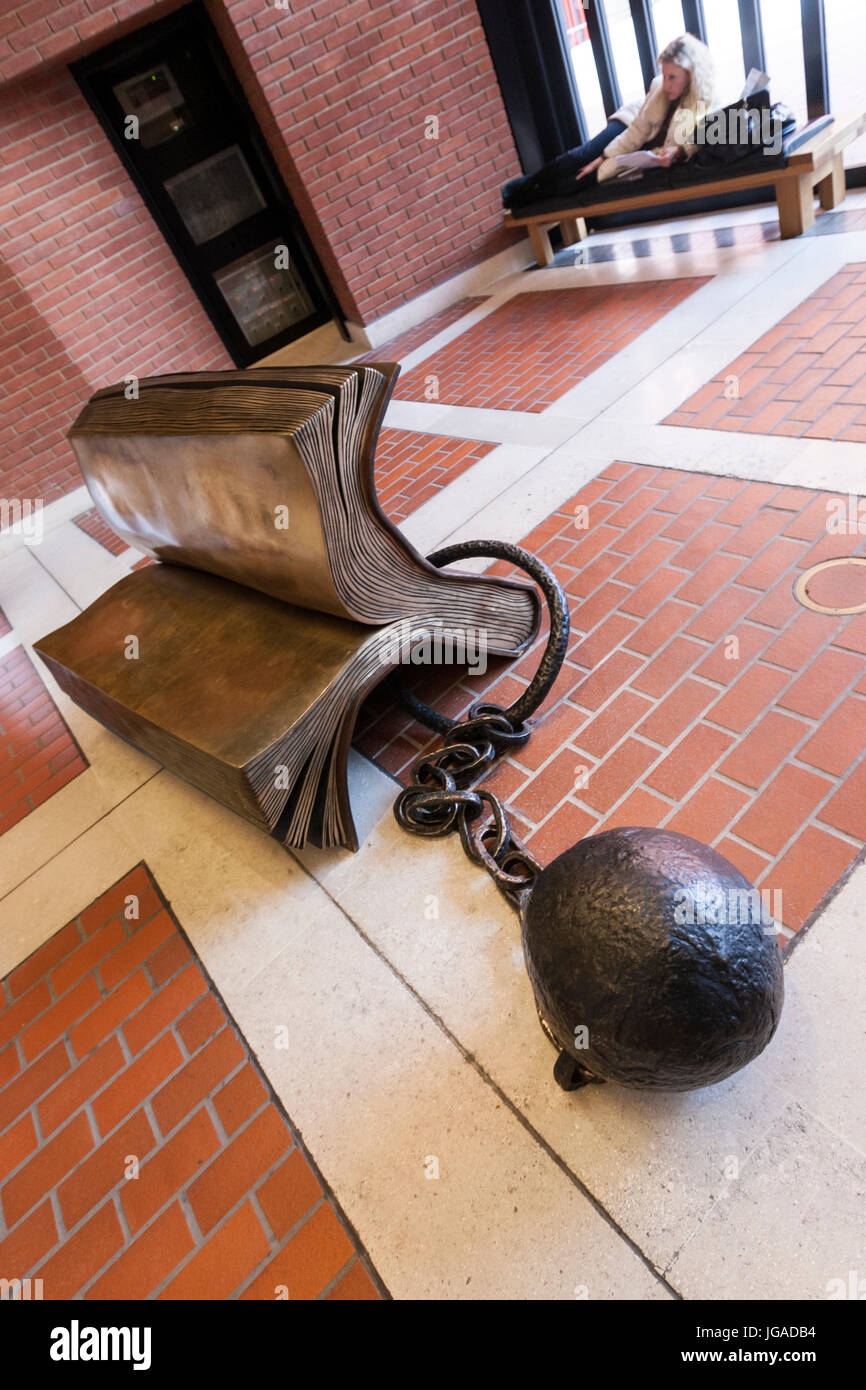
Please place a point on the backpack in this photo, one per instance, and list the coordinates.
(746, 127)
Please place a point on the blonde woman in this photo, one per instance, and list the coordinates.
(664, 122)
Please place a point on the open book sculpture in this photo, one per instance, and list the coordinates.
(283, 595)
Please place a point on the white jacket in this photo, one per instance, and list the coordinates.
(645, 119)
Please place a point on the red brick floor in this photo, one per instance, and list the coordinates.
(91, 522)
(5, 625)
(697, 693)
(38, 754)
(807, 376)
(536, 346)
(411, 467)
(142, 1154)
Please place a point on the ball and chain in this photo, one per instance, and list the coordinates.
(635, 980)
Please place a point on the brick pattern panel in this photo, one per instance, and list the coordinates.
(412, 467)
(345, 99)
(90, 288)
(805, 377)
(93, 525)
(5, 625)
(141, 1152)
(38, 754)
(346, 102)
(536, 346)
(697, 693)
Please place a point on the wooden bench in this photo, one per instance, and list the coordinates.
(283, 592)
(814, 166)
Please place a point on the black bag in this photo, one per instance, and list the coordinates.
(747, 127)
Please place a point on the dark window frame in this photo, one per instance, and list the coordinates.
(529, 52)
(647, 42)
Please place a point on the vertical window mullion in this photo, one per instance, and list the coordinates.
(645, 34)
(693, 13)
(815, 57)
(557, 19)
(599, 37)
(752, 35)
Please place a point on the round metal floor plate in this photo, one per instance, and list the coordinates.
(834, 586)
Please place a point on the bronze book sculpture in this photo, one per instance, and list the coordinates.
(283, 592)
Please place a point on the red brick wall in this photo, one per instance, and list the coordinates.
(349, 88)
(90, 288)
(342, 93)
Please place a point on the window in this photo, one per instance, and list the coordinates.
(783, 46)
(624, 49)
(722, 19)
(668, 21)
(573, 19)
(846, 41)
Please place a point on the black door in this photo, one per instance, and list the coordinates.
(169, 101)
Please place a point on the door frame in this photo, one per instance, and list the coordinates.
(243, 354)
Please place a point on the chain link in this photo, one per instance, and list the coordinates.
(438, 800)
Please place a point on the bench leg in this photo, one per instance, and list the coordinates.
(540, 238)
(573, 230)
(831, 190)
(796, 203)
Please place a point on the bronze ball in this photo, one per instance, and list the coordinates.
(653, 960)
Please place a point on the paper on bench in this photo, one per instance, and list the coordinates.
(641, 159)
(756, 81)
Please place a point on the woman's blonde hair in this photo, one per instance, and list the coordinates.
(689, 53)
(699, 97)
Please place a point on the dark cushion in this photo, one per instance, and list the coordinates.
(565, 196)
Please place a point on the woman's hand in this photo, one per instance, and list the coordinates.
(667, 154)
(588, 168)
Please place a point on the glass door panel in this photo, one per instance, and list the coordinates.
(573, 22)
(264, 296)
(668, 21)
(783, 46)
(624, 49)
(724, 40)
(846, 45)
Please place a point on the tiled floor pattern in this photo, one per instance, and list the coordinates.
(536, 346)
(806, 376)
(141, 1153)
(92, 524)
(711, 239)
(397, 348)
(38, 754)
(698, 694)
(410, 467)
(832, 223)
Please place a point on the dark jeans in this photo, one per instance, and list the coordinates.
(559, 173)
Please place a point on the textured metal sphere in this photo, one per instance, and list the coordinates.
(650, 961)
